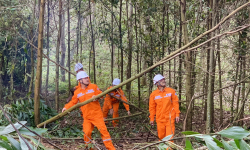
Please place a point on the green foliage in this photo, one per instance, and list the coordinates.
(237, 134)
(8, 142)
(189, 132)
(188, 145)
(24, 110)
(234, 133)
(66, 132)
(162, 146)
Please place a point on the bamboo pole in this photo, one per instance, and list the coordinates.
(129, 104)
(165, 59)
(118, 118)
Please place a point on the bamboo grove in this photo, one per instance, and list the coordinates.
(202, 48)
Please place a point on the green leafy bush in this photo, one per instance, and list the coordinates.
(67, 132)
(8, 142)
(24, 110)
(234, 135)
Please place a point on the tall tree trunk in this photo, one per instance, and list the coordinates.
(169, 51)
(137, 58)
(151, 59)
(69, 46)
(243, 86)
(234, 88)
(31, 50)
(39, 65)
(112, 44)
(47, 77)
(57, 56)
(78, 31)
(63, 47)
(239, 89)
(1, 75)
(210, 95)
(163, 34)
(219, 69)
(129, 27)
(13, 64)
(120, 33)
(208, 57)
(243, 46)
(220, 82)
(175, 42)
(180, 62)
(188, 67)
(93, 42)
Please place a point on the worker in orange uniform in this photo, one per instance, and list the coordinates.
(112, 104)
(163, 104)
(92, 112)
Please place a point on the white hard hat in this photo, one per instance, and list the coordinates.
(157, 78)
(116, 81)
(81, 74)
(78, 66)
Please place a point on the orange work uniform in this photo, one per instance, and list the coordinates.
(92, 114)
(111, 102)
(164, 104)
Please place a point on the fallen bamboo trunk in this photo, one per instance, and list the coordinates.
(118, 118)
(96, 138)
(128, 104)
(165, 59)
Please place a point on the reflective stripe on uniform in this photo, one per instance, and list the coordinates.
(87, 142)
(106, 140)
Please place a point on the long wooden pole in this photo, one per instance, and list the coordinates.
(39, 64)
(172, 55)
(118, 118)
(129, 104)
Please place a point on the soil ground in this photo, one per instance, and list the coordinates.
(132, 133)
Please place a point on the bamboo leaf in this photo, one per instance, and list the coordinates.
(218, 143)
(39, 131)
(5, 145)
(226, 145)
(234, 133)
(36, 142)
(233, 144)
(188, 145)
(23, 144)
(189, 132)
(237, 142)
(10, 129)
(167, 138)
(211, 145)
(244, 145)
(14, 143)
(162, 146)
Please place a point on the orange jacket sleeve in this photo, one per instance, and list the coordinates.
(108, 101)
(97, 91)
(73, 101)
(152, 107)
(175, 101)
(124, 99)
